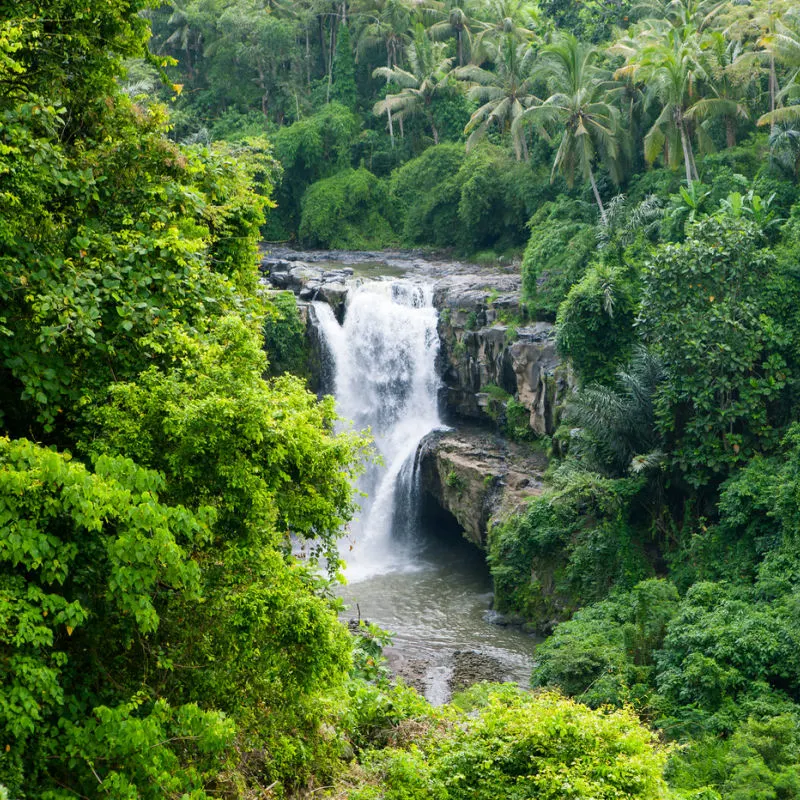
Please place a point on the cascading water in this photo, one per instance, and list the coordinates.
(385, 379)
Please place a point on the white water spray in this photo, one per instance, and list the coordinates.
(385, 366)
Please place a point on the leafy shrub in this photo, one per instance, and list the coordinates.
(532, 746)
(521, 745)
(348, 211)
(594, 326)
(284, 336)
(604, 654)
(704, 311)
(427, 193)
(570, 545)
(309, 150)
(561, 244)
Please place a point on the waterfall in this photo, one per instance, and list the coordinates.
(384, 360)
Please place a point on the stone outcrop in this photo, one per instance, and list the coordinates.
(484, 346)
(489, 360)
(478, 477)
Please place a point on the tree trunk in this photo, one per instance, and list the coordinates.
(460, 37)
(687, 159)
(597, 197)
(773, 90)
(402, 130)
(730, 131)
(330, 64)
(391, 126)
(435, 134)
(308, 60)
(525, 154)
(264, 97)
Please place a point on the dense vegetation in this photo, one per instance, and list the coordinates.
(157, 636)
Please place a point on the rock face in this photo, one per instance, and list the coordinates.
(310, 283)
(478, 477)
(485, 347)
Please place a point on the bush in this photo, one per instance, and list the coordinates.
(594, 326)
(569, 546)
(533, 746)
(427, 193)
(349, 211)
(561, 244)
(284, 336)
(519, 745)
(309, 150)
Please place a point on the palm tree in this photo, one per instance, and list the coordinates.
(618, 425)
(515, 19)
(760, 23)
(783, 46)
(504, 93)
(729, 78)
(578, 106)
(667, 60)
(454, 19)
(420, 85)
(184, 37)
(385, 24)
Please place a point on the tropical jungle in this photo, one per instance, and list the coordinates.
(636, 164)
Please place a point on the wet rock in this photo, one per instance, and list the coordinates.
(478, 477)
(412, 670)
(484, 342)
(471, 667)
(484, 345)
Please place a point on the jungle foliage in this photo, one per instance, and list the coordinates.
(157, 636)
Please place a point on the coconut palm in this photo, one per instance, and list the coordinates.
(760, 24)
(667, 61)
(730, 81)
(384, 24)
(454, 19)
(579, 108)
(515, 19)
(420, 85)
(783, 45)
(503, 93)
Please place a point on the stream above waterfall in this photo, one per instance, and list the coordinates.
(408, 571)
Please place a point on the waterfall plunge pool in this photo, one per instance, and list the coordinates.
(409, 569)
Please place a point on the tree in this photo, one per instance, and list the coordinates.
(421, 85)
(456, 19)
(504, 93)
(578, 107)
(666, 59)
(343, 89)
(783, 45)
(729, 79)
(513, 19)
(705, 313)
(386, 23)
(619, 423)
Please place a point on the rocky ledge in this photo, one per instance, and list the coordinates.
(479, 477)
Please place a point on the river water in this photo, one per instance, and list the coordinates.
(408, 571)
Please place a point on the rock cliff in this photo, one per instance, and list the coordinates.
(478, 477)
(492, 365)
